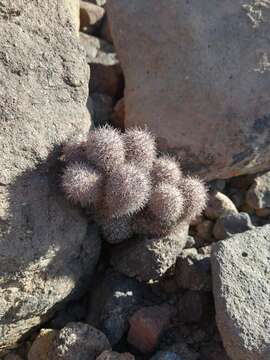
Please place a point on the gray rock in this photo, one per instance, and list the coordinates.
(166, 355)
(112, 302)
(106, 72)
(148, 259)
(79, 341)
(193, 271)
(192, 82)
(241, 268)
(231, 224)
(219, 204)
(45, 248)
(100, 107)
(258, 196)
(191, 242)
(112, 355)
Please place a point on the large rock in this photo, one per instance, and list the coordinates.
(149, 259)
(45, 247)
(198, 75)
(240, 270)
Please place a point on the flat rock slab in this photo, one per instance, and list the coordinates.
(241, 284)
(197, 73)
(45, 245)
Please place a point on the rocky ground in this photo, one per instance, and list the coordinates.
(215, 297)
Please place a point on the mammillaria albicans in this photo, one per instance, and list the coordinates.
(131, 188)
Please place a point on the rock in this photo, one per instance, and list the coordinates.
(42, 347)
(205, 65)
(240, 268)
(74, 311)
(148, 259)
(106, 72)
(147, 325)
(44, 243)
(12, 356)
(166, 355)
(193, 271)
(204, 230)
(217, 185)
(183, 351)
(193, 306)
(100, 107)
(258, 196)
(98, 2)
(231, 224)
(263, 213)
(191, 243)
(80, 341)
(218, 205)
(112, 302)
(112, 355)
(237, 197)
(91, 16)
(118, 115)
(74, 8)
(105, 31)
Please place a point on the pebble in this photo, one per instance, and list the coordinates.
(91, 16)
(218, 205)
(42, 347)
(258, 195)
(147, 325)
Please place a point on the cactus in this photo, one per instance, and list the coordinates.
(127, 191)
(105, 149)
(166, 170)
(82, 184)
(140, 147)
(128, 187)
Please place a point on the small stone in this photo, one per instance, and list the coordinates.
(91, 16)
(148, 259)
(112, 355)
(263, 213)
(42, 347)
(258, 196)
(98, 2)
(205, 229)
(218, 205)
(147, 325)
(193, 306)
(193, 271)
(100, 108)
(106, 73)
(231, 224)
(166, 355)
(118, 115)
(79, 340)
(241, 270)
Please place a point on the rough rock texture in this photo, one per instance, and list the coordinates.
(231, 224)
(192, 80)
(44, 245)
(148, 259)
(193, 271)
(74, 8)
(79, 341)
(166, 355)
(240, 270)
(258, 195)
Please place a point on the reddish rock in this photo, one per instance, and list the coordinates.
(146, 326)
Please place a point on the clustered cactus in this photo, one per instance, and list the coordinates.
(127, 186)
